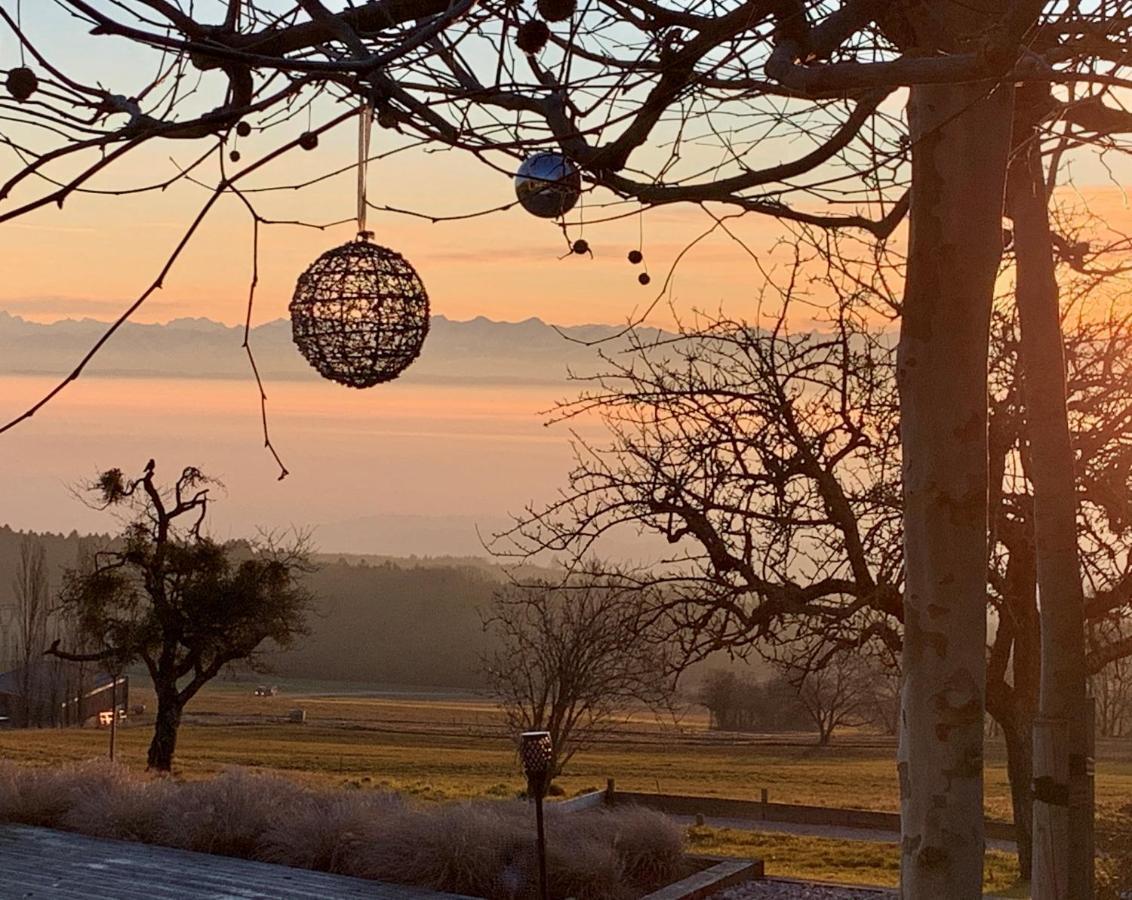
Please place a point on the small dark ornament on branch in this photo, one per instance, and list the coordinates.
(22, 83)
(556, 10)
(548, 185)
(234, 156)
(243, 129)
(360, 314)
(532, 36)
(581, 246)
(308, 140)
(635, 257)
(643, 278)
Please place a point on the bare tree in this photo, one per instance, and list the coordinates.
(882, 699)
(770, 463)
(835, 695)
(31, 589)
(742, 703)
(182, 604)
(1112, 685)
(574, 656)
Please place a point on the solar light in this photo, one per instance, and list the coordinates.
(536, 752)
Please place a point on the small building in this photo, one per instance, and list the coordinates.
(58, 693)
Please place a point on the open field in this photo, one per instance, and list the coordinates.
(442, 747)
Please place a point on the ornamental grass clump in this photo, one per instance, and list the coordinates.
(325, 830)
(483, 848)
(39, 796)
(229, 815)
(136, 809)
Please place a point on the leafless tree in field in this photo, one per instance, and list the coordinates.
(31, 588)
(574, 657)
(1112, 685)
(783, 108)
(835, 695)
(170, 597)
(770, 463)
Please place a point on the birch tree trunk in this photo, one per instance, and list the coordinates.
(1062, 861)
(961, 139)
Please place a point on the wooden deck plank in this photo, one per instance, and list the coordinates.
(38, 863)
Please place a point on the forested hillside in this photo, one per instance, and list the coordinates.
(413, 621)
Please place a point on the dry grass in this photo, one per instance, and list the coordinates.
(450, 749)
(447, 766)
(850, 862)
(1114, 868)
(481, 848)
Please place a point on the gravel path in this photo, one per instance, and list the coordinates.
(774, 889)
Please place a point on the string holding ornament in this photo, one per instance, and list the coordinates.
(360, 312)
(21, 82)
(637, 257)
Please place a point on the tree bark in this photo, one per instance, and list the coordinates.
(1063, 858)
(168, 721)
(961, 138)
(1018, 736)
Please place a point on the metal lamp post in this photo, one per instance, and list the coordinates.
(536, 750)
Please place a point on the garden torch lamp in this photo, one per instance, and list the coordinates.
(536, 751)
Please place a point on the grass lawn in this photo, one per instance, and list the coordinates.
(850, 862)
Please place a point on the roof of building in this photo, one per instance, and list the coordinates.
(45, 675)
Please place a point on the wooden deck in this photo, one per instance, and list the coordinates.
(55, 865)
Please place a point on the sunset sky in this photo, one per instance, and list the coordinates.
(92, 257)
(400, 452)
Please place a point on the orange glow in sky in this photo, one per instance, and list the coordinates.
(99, 252)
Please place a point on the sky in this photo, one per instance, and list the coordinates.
(97, 253)
(93, 256)
(399, 453)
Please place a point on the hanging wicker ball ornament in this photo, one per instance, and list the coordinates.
(548, 185)
(556, 10)
(22, 83)
(643, 278)
(531, 36)
(359, 314)
(243, 129)
(581, 246)
(308, 140)
(636, 257)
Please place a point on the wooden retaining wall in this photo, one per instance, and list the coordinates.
(755, 810)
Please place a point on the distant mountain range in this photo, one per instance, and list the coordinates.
(480, 350)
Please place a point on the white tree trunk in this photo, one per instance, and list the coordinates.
(961, 139)
(1062, 862)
